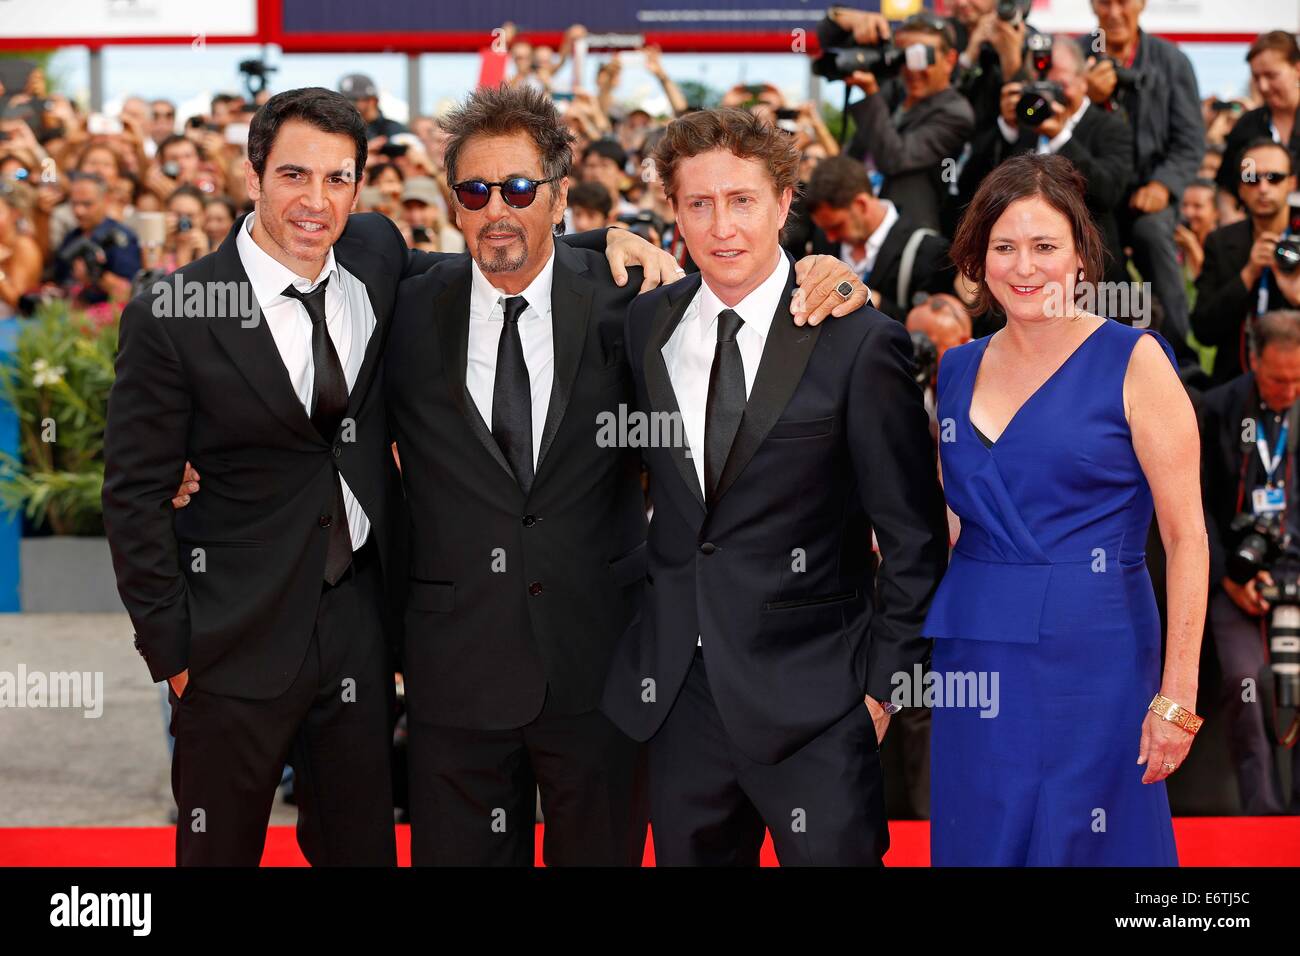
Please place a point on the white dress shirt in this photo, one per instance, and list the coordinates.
(486, 316)
(688, 353)
(867, 263)
(349, 319)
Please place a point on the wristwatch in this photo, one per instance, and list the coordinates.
(1175, 713)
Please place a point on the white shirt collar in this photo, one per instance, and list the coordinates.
(269, 277)
(755, 310)
(484, 295)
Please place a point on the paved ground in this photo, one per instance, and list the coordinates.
(60, 768)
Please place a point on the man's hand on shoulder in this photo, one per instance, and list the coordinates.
(821, 290)
(624, 249)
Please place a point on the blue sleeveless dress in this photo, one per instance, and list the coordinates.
(1047, 600)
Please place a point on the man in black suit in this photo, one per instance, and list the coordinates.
(886, 247)
(263, 602)
(1097, 142)
(1256, 410)
(764, 627)
(1239, 279)
(528, 529)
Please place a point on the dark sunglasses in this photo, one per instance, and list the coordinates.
(518, 192)
(1273, 178)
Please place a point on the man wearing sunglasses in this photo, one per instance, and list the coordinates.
(528, 528)
(1240, 278)
(267, 601)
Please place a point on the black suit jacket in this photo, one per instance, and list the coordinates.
(932, 270)
(514, 597)
(208, 389)
(1223, 303)
(1222, 411)
(1101, 148)
(778, 576)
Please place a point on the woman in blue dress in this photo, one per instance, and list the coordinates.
(1058, 435)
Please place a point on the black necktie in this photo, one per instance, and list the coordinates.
(328, 406)
(512, 397)
(726, 403)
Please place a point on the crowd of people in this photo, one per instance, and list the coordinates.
(1190, 196)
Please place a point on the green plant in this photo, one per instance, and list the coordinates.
(57, 380)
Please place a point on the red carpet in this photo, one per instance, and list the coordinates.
(1202, 841)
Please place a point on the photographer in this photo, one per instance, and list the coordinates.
(908, 143)
(893, 254)
(1274, 60)
(1054, 115)
(186, 240)
(1151, 81)
(1257, 481)
(991, 35)
(1240, 277)
(100, 256)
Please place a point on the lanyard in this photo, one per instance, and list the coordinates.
(1271, 463)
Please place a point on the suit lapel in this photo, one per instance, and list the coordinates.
(363, 263)
(253, 350)
(450, 312)
(785, 356)
(571, 295)
(659, 386)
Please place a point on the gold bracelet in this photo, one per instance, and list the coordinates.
(1175, 713)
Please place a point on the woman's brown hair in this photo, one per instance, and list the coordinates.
(1279, 41)
(1052, 178)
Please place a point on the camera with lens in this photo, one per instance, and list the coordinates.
(841, 57)
(1258, 544)
(1283, 597)
(92, 253)
(645, 224)
(841, 63)
(1035, 104)
(256, 73)
(1286, 254)
(1125, 78)
(925, 358)
(1013, 11)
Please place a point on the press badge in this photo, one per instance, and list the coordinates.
(1268, 500)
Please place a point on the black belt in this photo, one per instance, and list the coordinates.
(362, 558)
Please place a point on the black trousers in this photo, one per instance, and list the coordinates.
(1241, 654)
(332, 725)
(474, 793)
(709, 803)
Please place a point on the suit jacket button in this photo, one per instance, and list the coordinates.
(708, 547)
(529, 521)
(324, 521)
(535, 588)
(338, 451)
